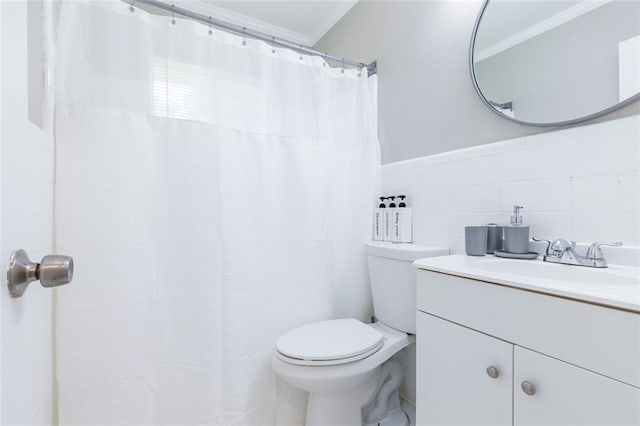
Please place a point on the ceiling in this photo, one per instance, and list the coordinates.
(300, 21)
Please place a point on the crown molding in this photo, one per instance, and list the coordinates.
(540, 28)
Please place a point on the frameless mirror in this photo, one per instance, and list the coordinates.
(554, 62)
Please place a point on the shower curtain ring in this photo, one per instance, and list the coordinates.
(244, 33)
(273, 44)
(173, 14)
(342, 70)
(210, 30)
(300, 51)
(324, 64)
(131, 8)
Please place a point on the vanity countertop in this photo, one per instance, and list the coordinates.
(615, 286)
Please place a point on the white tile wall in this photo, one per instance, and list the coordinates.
(580, 183)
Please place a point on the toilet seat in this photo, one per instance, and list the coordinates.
(330, 342)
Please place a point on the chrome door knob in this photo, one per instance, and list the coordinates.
(55, 270)
(493, 372)
(528, 388)
(52, 271)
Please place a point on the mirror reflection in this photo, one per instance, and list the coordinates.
(548, 62)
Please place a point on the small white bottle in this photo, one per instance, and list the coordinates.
(388, 219)
(379, 220)
(401, 223)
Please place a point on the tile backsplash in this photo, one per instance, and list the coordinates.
(580, 183)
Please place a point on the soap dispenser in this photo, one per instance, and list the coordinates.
(401, 224)
(378, 220)
(516, 236)
(388, 219)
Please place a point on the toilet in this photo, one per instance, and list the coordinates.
(345, 364)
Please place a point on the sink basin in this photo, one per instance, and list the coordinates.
(616, 286)
(613, 275)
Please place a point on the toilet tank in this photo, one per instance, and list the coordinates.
(393, 281)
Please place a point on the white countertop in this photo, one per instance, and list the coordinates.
(615, 286)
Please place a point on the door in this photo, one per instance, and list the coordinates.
(558, 393)
(26, 215)
(463, 377)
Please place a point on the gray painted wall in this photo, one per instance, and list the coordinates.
(426, 100)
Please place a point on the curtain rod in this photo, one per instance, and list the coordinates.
(238, 29)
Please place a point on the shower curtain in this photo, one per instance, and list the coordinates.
(215, 192)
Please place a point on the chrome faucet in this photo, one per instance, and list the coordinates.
(563, 251)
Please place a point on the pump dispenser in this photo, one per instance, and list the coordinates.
(388, 219)
(516, 236)
(401, 223)
(516, 219)
(392, 204)
(379, 220)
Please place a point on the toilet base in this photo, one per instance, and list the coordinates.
(395, 417)
(385, 408)
(341, 408)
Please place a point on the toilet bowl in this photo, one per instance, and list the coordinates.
(339, 387)
(340, 362)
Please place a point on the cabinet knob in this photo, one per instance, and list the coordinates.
(493, 372)
(528, 388)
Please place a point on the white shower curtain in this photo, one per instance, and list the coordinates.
(214, 192)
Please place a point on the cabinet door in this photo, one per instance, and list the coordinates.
(453, 385)
(565, 394)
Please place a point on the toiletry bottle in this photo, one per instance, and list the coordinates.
(388, 219)
(402, 222)
(494, 238)
(516, 236)
(378, 220)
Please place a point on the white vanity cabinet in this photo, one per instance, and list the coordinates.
(565, 394)
(453, 375)
(478, 342)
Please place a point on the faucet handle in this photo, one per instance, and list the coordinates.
(543, 240)
(594, 252)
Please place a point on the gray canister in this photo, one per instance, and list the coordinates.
(494, 238)
(516, 239)
(475, 240)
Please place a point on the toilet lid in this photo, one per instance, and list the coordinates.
(330, 341)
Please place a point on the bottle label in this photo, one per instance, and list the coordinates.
(396, 226)
(377, 224)
(386, 225)
(387, 232)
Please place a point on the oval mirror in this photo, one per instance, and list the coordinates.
(556, 62)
